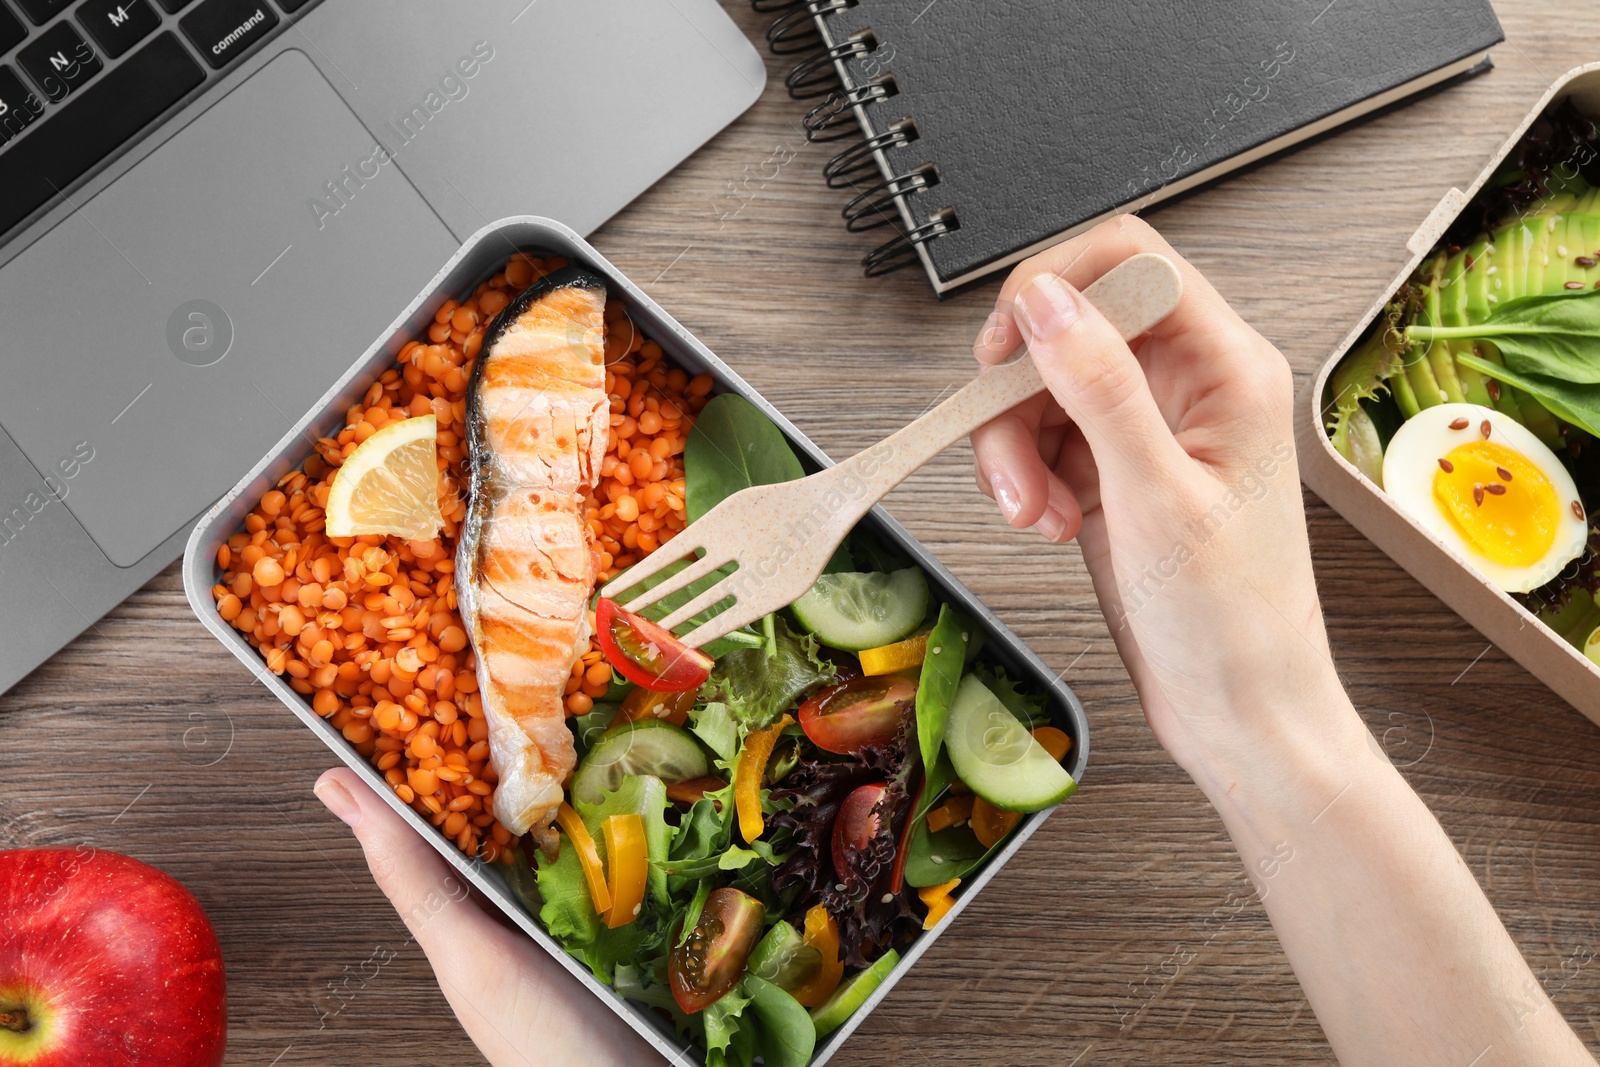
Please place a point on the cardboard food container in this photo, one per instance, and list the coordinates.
(1496, 614)
(479, 258)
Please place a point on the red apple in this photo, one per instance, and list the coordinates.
(105, 962)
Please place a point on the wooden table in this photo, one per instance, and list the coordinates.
(1124, 932)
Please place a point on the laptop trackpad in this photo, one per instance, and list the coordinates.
(189, 313)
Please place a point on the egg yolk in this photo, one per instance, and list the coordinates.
(1512, 521)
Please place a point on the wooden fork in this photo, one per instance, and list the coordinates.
(781, 536)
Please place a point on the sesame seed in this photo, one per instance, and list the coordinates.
(1552, 223)
(887, 898)
(1492, 269)
(1493, 299)
(940, 859)
(637, 907)
(1561, 249)
(839, 887)
(937, 649)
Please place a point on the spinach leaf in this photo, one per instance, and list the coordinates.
(941, 672)
(1572, 403)
(760, 684)
(935, 858)
(788, 1036)
(733, 446)
(1550, 335)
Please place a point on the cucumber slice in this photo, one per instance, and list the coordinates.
(854, 993)
(996, 755)
(648, 747)
(783, 958)
(852, 610)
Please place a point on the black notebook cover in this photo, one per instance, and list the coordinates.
(1041, 116)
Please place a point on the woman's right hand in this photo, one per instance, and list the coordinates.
(1172, 463)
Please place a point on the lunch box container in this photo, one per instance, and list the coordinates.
(1372, 511)
(478, 258)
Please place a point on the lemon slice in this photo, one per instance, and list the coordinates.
(390, 484)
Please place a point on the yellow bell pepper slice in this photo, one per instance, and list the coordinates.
(938, 901)
(1054, 741)
(952, 812)
(627, 866)
(900, 656)
(753, 758)
(588, 857)
(822, 934)
(990, 824)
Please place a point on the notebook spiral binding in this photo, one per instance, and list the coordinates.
(797, 31)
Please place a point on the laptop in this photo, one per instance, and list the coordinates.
(208, 209)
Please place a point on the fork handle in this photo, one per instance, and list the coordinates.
(1133, 296)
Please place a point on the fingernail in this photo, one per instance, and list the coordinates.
(993, 334)
(1052, 524)
(337, 799)
(1046, 306)
(1005, 494)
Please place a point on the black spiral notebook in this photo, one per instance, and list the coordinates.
(980, 131)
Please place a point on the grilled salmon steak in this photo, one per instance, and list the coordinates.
(537, 426)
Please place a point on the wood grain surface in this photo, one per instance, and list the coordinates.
(1124, 933)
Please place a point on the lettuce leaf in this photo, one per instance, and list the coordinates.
(1029, 708)
(759, 684)
(567, 911)
(724, 1044)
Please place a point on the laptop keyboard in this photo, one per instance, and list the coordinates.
(77, 86)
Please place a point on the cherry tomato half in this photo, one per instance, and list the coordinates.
(848, 716)
(856, 825)
(647, 654)
(711, 960)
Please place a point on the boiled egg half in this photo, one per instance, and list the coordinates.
(1486, 486)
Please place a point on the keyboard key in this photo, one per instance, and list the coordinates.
(172, 7)
(11, 29)
(59, 61)
(93, 125)
(41, 10)
(292, 6)
(19, 105)
(224, 30)
(118, 25)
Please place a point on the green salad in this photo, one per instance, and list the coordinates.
(751, 837)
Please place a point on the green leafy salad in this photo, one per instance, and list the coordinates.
(751, 836)
(1474, 400)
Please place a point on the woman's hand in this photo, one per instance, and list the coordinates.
(1172, 463)
(514, 1001)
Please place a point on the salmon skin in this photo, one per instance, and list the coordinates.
(537, 422)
